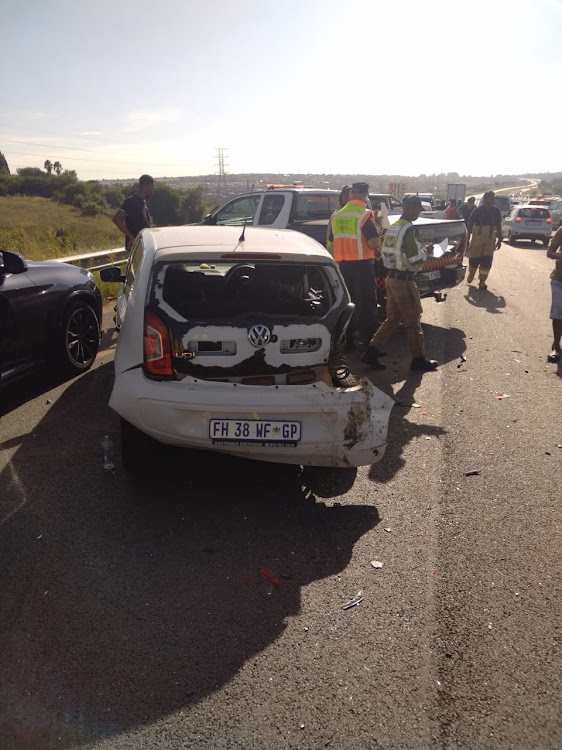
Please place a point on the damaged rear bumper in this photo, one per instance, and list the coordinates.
(339, 427)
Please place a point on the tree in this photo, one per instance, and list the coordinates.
(57, 166)
(192, 206)
(164, 206)
(4, 168)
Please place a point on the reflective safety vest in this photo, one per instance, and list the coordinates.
(347, 223)
(395, 255)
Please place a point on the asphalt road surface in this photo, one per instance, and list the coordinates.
(134, 615)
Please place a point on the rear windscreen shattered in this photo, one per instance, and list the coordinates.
(228, 289)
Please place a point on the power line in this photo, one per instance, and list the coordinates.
(52, 147)
(101, 161)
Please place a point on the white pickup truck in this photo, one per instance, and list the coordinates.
(305, 210)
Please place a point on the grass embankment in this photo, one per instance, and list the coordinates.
(40, 229)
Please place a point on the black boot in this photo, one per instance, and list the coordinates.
(421, 364)
(369, 357)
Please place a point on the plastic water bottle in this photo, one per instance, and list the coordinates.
(107, 453)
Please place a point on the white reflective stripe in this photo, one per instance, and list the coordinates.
(348, 214)
(360, 223)
(344, 236)
(393, 253)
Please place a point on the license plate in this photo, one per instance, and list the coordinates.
(533, 222)
(264, 432)
(432, 275)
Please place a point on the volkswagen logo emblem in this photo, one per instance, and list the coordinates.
(259, 335)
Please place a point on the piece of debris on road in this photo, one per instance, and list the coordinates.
(353, 602)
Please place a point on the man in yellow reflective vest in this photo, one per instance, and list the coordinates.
(402, 256)
(356, 244)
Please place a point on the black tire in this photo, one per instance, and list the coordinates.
(511, 239)
(137, 448)
(78, 339)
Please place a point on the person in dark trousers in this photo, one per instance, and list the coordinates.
(466, 209)
(355, 243)
(485, 236)
(555, 253)
(133, 214)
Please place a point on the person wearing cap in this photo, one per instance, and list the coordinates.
(485, 236)
(356, 244)
(402, 256)
(342, 200)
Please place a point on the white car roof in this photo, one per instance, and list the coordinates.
(207, 241)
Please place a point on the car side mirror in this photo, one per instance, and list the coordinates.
(11, 263)
(210, 219)
(112, 274)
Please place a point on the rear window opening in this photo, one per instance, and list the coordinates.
(502, 202)
(226, 289)
(534, 213)
(310, 207)
(453, 231)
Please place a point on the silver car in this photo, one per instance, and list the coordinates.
(527, 223)
(555, 209)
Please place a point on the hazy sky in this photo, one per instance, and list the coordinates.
(114, 88)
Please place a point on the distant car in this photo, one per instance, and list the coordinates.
(503, 202)
(393, 205)
(230, 342)
(527, 223)
(444, 269)
(427, 197)
(49, 312)
(555, 210)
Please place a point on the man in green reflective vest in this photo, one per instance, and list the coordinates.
(402, 256)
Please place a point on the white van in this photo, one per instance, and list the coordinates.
(503, 202)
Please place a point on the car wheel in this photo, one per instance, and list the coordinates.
(511, 239)
(79, 338)
(137, 448)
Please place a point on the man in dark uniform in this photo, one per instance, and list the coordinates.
(485, 236)
(133, 214)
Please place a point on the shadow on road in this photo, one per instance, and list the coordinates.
(128, 599)
(486, 299)
(444, 344)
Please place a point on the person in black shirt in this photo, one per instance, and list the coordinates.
(465, 209)
(133, 214)
(485, 236)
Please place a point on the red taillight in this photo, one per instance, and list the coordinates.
(157, 357)
(549, 220)
(517, 218)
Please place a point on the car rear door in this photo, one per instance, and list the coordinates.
(22, 331)
(274, 210)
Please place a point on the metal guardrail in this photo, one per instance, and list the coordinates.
(89, 261)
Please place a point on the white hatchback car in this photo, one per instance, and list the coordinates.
(230, 342)
(527, 223)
